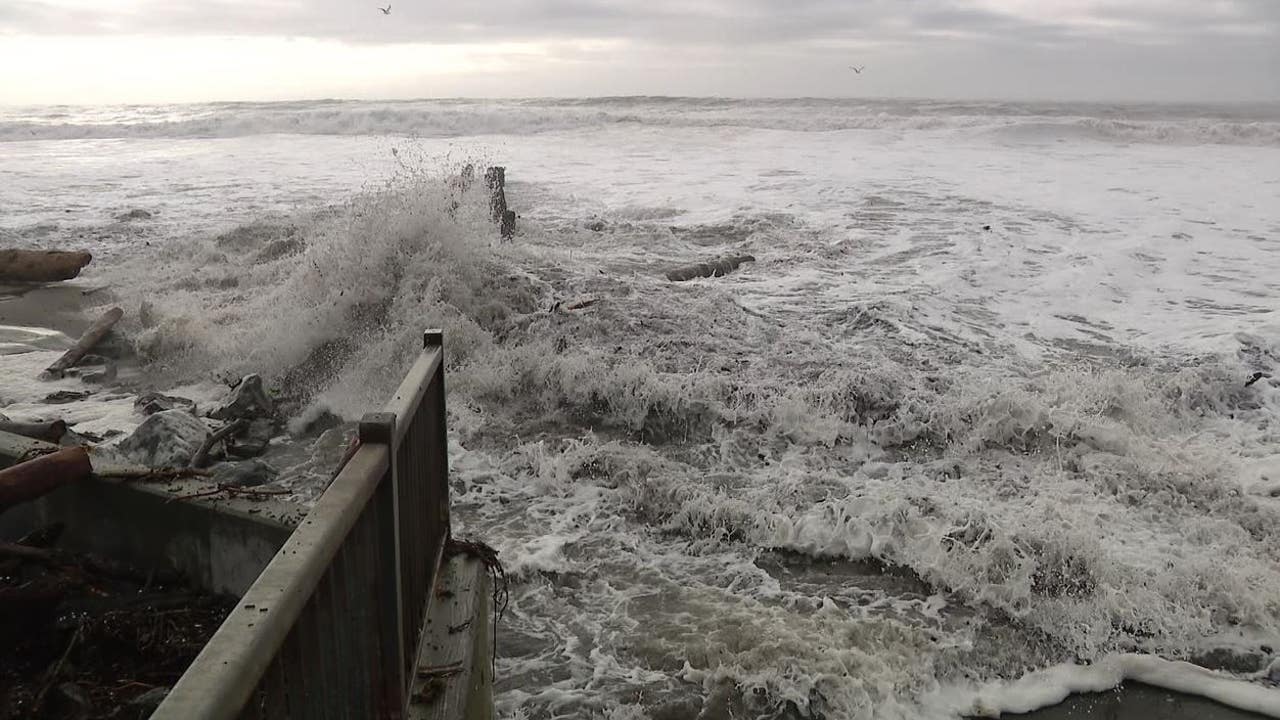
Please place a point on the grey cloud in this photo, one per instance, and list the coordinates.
(1174, 48)
(656, 21)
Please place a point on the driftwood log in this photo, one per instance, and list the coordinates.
(201, 456)
(48, 431)
(29, 480)
(714, 268)
(496, 179)
(87, 341)
(41, 265)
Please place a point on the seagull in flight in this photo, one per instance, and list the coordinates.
(386, 10)
(858, 69)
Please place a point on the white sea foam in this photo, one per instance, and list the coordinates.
(1052, 685)
(22, 397)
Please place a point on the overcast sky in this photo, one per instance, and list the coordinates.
(93, 51)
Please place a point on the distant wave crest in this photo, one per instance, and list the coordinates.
(453, 118)
(1183, 132)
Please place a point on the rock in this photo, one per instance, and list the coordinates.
(71, 438)
(134, 215)
(250, 473)
(166, 439)
(152, 403)
(63, 397)
(253, 441)
(248, 400)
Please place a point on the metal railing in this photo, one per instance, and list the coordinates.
(331, 627)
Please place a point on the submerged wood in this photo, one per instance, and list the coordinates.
(39, 476)
(87, 341)
(41, 265)
(48, 431)
(714, 268)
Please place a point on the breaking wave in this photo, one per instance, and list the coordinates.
(328, 303)
(1256, 126)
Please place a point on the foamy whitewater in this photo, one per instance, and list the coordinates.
(973, 432)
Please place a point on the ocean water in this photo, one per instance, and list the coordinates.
(972, 432)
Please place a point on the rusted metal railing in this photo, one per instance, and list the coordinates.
(331, 627)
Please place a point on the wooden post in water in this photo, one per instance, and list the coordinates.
(496, 179)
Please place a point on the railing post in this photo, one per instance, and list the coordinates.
(379, 428)
(434, 338)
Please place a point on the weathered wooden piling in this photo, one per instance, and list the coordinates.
(496, 179)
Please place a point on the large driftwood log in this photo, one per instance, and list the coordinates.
(496, 179)
(714, 268)
(87, 341)
(48, 431)
(36, 477)
(41, 265)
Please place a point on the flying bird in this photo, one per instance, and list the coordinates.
(386, 10)
(858, 69)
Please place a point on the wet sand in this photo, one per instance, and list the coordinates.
(58, 307)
